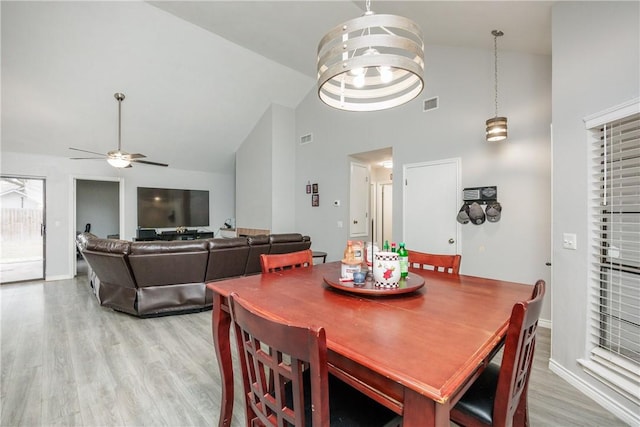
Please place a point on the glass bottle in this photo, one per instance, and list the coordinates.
(385, 246)
(348, 252)
(403, 257)
(393, 247)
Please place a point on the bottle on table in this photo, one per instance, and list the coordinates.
(349, 255)
(385, 246)
(403, 257)
(393, 247)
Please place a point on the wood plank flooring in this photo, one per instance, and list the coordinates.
(67, 361)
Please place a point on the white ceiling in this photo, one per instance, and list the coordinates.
(197, 75)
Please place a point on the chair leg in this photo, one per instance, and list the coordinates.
(521, 417)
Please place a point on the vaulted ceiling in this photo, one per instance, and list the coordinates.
(197, 75)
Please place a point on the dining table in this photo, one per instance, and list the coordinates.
(415, 349)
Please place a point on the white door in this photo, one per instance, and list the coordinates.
(359, 200)
(431, 198)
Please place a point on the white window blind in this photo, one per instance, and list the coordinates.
(614, 324)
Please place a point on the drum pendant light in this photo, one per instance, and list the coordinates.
(371, 63)
(496, 126)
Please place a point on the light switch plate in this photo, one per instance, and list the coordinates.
(569, 241)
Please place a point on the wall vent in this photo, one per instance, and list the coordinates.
(305, 139)
(430, 104)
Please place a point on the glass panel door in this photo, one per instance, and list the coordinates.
(22, 242)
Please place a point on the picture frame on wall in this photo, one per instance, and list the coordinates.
(315, 188)
(315, 200)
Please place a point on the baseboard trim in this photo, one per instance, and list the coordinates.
(58, 277)
(588, 390)
(544, 323)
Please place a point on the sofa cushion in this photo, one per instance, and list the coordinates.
(110, 246)
(227, 258)
(174, 246)
(165, 263)
(288, 242)
(258, 244)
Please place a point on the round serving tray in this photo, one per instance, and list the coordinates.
(407, 285)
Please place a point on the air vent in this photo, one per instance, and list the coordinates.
(305, 139)
(430, 104)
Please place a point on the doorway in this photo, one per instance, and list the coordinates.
(98, 208)
(23, 238)
(379, 164)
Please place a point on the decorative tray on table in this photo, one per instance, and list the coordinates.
(406, 285)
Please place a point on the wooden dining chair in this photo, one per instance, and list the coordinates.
(498, 397)
(442, 263)
(278, 262)
(301, 392)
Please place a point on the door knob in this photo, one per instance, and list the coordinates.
(451, 241)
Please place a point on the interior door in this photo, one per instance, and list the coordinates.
(432, 195)
(359, 200)
(23, 229)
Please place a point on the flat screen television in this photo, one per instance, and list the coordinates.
(170, 207)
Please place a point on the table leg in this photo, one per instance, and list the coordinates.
(221, 323)
(420, 411)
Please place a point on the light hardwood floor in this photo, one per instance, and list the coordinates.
(67, 361)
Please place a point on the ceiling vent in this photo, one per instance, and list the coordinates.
(305, 139)
(430, 104)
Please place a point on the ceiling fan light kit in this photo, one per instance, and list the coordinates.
(371, 63)
(118, 158)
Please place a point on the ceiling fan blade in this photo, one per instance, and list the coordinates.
(86, 158)
(146, 162)
(87, 151)
(136, 156)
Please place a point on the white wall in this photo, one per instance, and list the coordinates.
(59, 173)
(283, 171)
(517, 247)
(265, 166)
(596, 57)
(253, 176)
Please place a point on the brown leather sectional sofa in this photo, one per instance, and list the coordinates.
(168, 277)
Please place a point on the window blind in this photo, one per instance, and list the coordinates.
(615, 288)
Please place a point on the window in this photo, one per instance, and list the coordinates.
(614, 310)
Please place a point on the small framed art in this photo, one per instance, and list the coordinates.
(315, 200)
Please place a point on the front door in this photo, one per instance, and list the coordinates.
(23, 229)
(432, 195)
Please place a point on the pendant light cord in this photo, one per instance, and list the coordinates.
(119, 124)
(495, 68)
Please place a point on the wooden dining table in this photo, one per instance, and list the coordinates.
(415, 352)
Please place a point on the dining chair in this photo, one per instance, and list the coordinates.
(436, 262)
(278, 262)
(498, 397)
(285, 375)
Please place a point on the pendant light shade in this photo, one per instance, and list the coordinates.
(496, 129)
(496, 126)
(371, 63)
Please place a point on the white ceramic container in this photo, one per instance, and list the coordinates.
(386, 269)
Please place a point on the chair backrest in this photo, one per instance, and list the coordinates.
(267, 379)
(517, 358)
(435, 262)
(277, 262)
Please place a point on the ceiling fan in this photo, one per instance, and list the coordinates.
(118, 158)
